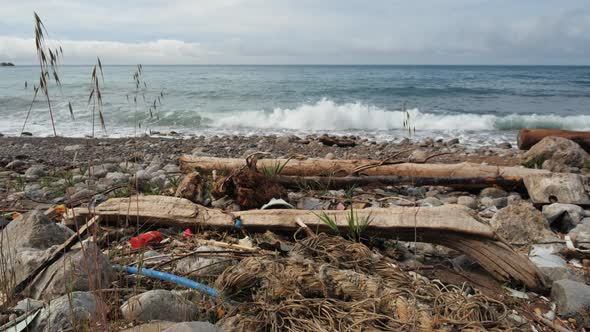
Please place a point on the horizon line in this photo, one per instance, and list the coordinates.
(317, 64)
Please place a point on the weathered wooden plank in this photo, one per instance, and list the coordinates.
(451, 225)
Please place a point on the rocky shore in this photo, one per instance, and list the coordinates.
(38, 174)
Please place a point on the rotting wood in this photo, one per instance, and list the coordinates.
(460, 183)
(529, 137)
(325, 167)
(450, 225)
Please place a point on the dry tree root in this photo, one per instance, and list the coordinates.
(249, 188)
(330, 284)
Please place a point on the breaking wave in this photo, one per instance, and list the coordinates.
(328, 115)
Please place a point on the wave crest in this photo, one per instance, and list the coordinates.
(328, 115)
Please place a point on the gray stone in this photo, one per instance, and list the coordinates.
(513, 198)
(171, 168)
(581, 234)
(32, 187)
(117, 177)
(467, 201)
(570, 296)
(450, 199)
(193, 327)
(430, 201)
(329, 156)
(78, 178)
(497, 202)
(520, 223)
(282, 141)
(71, 148)
(16, 164)
(28, 305)
(72, 312)
(432, 193)
(416, 191)
(83, 193)
(154, 326)
(493, 192)
(557, 166)
(35, 172)
(311, 203)
(557, 188)
(203, 264)
(158, 181)
(78, 270)
(222, 202)
(159, 304)
(100, 171)
(26, 240)
(418, 155)
(452, 141)
(563, 217)
(560, 150)
(428, 141)
(552, 266)
(142, 178)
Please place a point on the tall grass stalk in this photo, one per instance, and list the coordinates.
(48, 69)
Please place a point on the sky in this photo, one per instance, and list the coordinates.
(543, 32)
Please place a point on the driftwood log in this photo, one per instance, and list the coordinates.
(460, 183)
(529, 137)
(325, 167)
(453, 226)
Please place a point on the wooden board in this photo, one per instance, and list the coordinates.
(454, 226)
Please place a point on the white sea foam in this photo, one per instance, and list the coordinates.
(322, 116)
(328, 115)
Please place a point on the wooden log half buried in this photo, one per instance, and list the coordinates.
(325, 167)
(529, 137)
(460, 183)
(453, 226)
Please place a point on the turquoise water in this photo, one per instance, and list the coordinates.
(479, 102)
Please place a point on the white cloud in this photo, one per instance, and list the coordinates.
(84, 52)
(304, 31)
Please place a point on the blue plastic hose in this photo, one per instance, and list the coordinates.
(169, 277)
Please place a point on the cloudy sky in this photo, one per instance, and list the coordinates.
(303, 31)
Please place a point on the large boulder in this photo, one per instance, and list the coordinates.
(78, 270)
(561, 153)
(551, 265)
(563, 217)
(520, 223)
(77, 311)
(581, 234)
(571, 296)
(159, 304)
(565, 188)
(25, 242)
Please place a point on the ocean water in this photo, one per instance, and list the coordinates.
(474, 103)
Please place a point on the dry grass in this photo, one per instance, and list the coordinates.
(95, 97)
(48, 66)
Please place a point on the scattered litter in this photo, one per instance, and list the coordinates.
(517, 294)
(277, 204)
(144, 239)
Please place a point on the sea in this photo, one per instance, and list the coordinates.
(477, 104)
